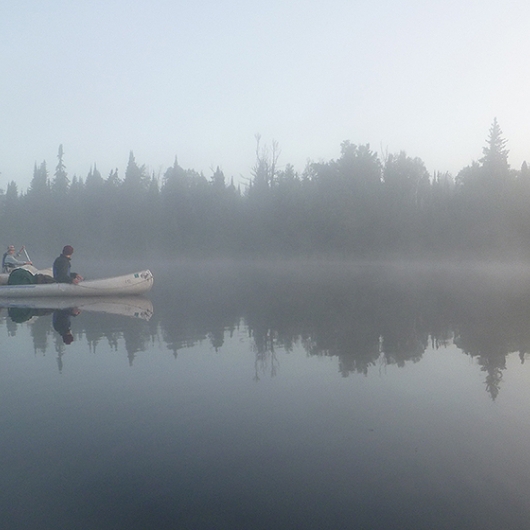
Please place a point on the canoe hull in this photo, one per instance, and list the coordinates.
(127, 285)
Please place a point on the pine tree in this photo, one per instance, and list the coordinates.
(136, 178)
(495, 159)
(113, 181)
(60, 182)
(39, 183)
(94, 180)
(218, 179)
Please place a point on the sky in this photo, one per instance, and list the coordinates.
(198, 80)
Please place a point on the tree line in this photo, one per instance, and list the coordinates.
(358, 205)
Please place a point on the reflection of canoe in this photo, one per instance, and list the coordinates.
(130, 284)
(131, 306)
(5, 275)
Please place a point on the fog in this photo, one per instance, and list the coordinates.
(362, 315)
(358, 375)
(358, 207)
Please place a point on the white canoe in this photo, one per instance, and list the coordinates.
(4, 276)
(129, 284)
(130, 306)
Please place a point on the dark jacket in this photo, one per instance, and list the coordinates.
(61, 270)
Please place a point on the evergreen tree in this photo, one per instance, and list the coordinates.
(495, 158)
(94, 180)
(264, 170)
(524, 174)
(154, 189)
(174, 178)
(60, 183)
(39, 185)
(77, 187)
(113, 181)
(136, 178)
(11, 207)
(218, 179)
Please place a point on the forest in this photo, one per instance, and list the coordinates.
(360, 205)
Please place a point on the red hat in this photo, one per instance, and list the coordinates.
(68, 250)
(68, 338)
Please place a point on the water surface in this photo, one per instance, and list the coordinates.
(289, 398)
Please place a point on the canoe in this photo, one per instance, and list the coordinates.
(129, 284)
(4, 276)
(130, 306)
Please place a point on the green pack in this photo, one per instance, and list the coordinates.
(21, 277)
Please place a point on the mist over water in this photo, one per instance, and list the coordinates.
(279, 394)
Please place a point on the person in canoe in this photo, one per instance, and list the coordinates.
(10, 261)
(61, 267)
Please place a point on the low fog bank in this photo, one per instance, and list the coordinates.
(361, 312)
(437, 274)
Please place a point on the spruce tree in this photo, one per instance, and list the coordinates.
(495, 158)
(60, 182)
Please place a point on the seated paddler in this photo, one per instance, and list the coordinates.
(61, 267)
(10, 261)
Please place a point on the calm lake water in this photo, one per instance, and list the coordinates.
(316, 396)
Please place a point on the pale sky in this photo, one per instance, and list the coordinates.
(198, 79)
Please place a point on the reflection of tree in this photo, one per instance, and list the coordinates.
(11, 327)
(487, 327)
(349, 337)
(491, 355)
(135, 341)
(217, 337)
(493, 379)
(266, 358)
(356, 318)
(39, 332)
(95, 327)
(98, 327)
(361, 318)
(60, 349)
(197, 305)
(403, 336)
(353, 322)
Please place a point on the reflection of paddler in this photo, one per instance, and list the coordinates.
(62, 324)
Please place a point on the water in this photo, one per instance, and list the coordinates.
(306, 397)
